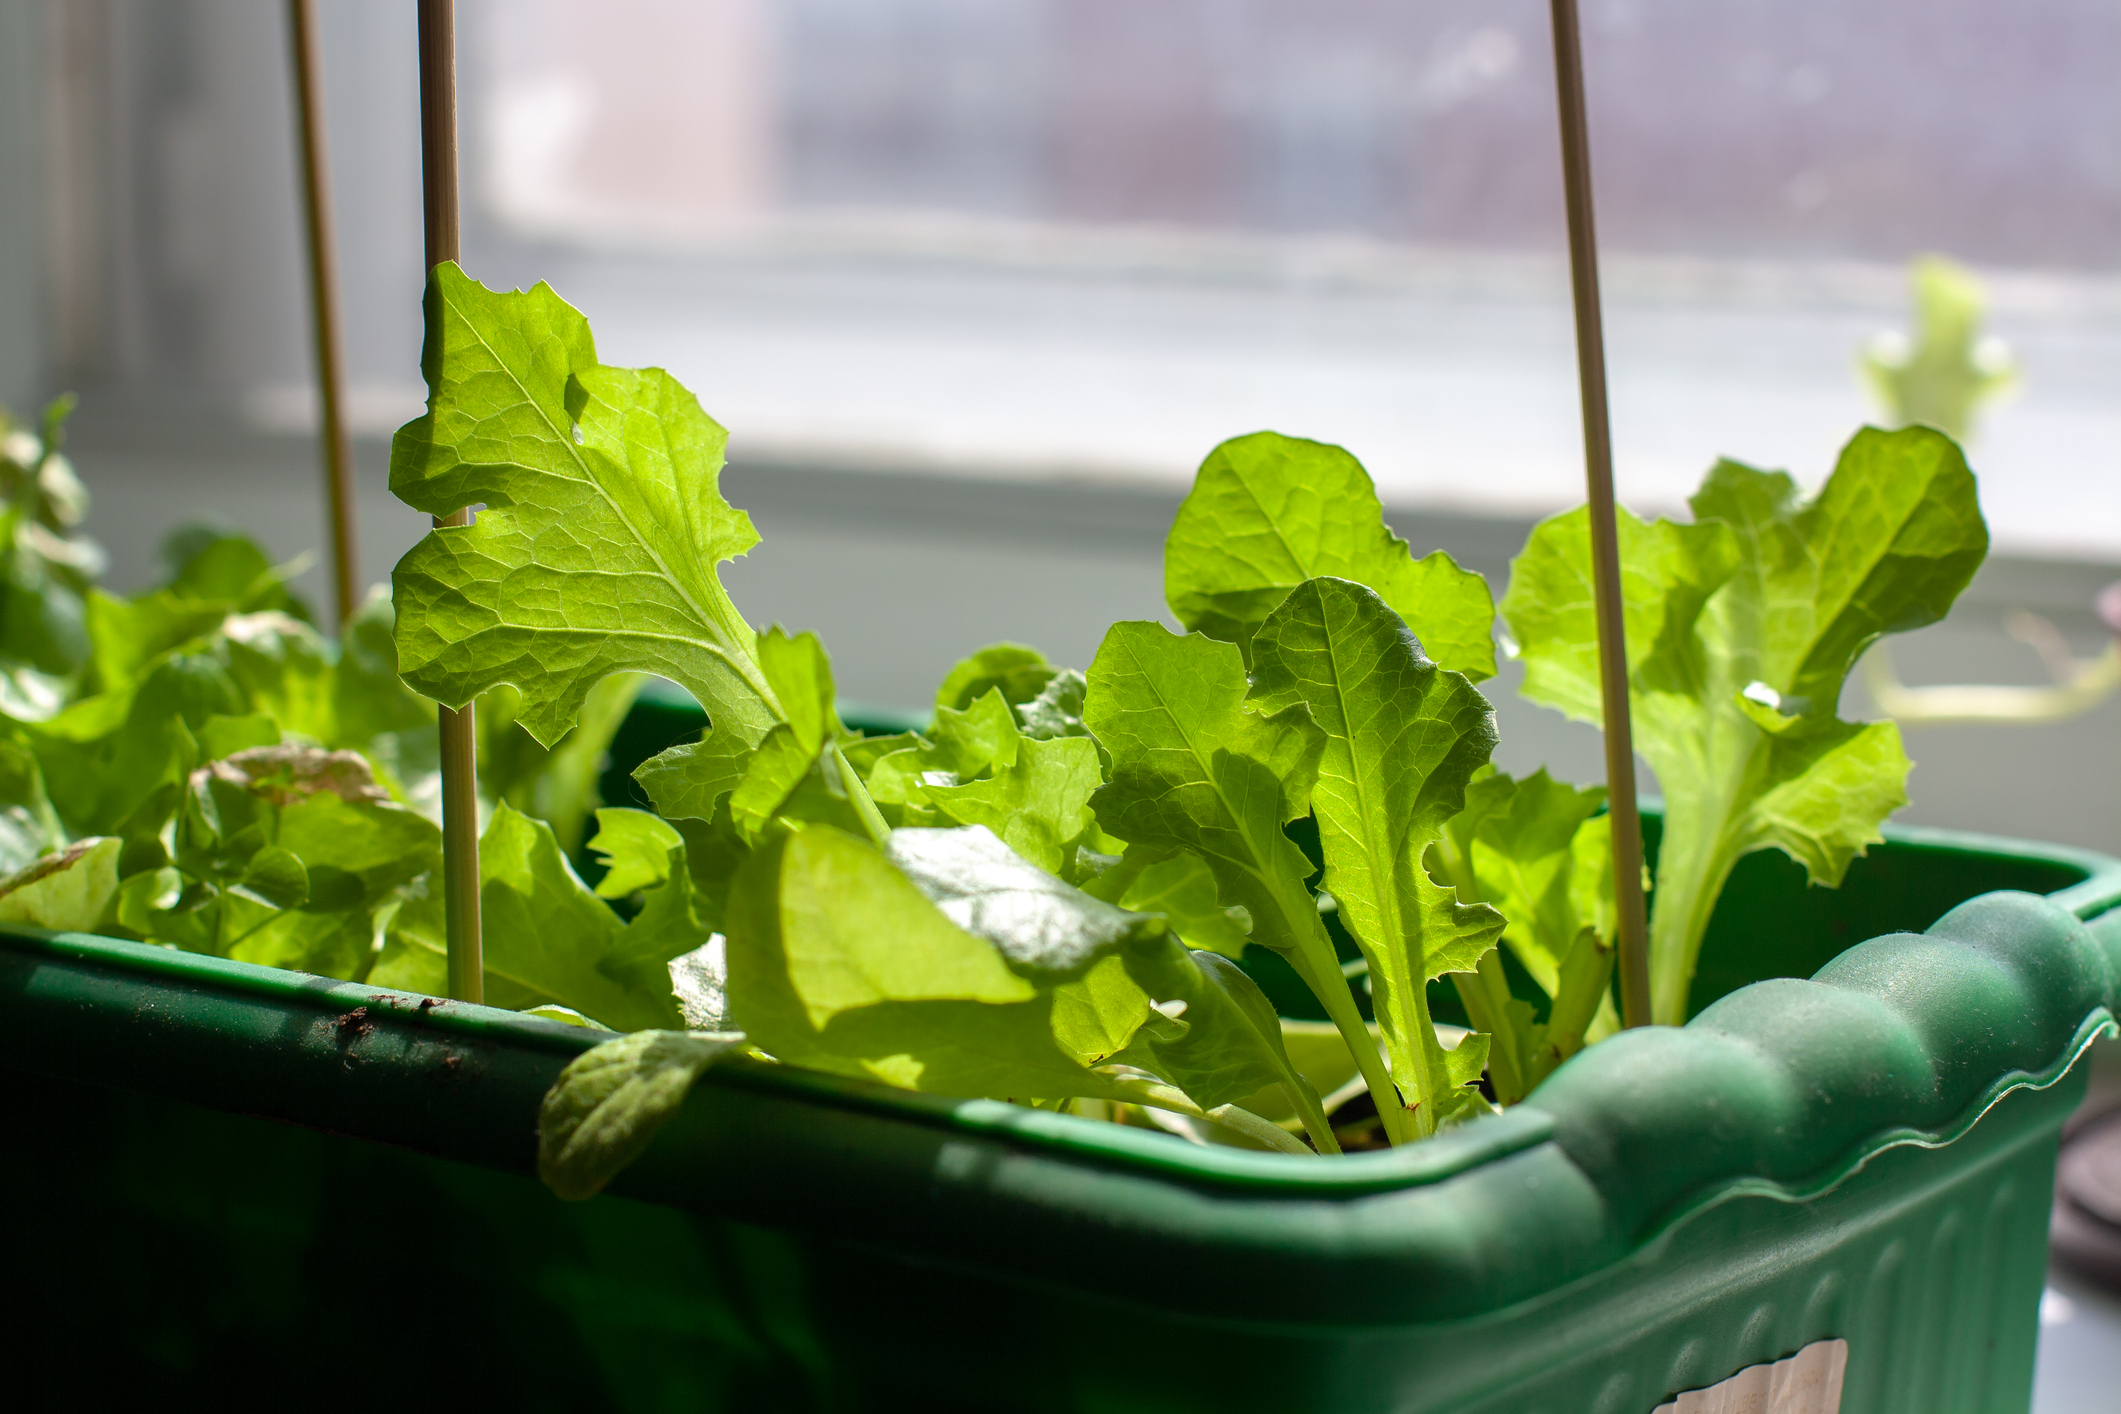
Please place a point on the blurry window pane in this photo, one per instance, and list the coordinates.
(1100, 234)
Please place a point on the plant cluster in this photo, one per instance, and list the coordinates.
(197, 766)
(1043, 896)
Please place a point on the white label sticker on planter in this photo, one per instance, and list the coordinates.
(1809, 1382)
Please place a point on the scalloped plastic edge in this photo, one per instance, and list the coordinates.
(1472, 1146)
(2101, 1022)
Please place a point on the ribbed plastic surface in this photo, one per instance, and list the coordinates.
(1867, 1154)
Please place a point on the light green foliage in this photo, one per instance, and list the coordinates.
(637, 849)
(649, 857)
(214, 574)
(1319, 1053)
(957, 967)
(1268, 512)
(1182, 888)
(369, 700)
(1943, 376)
(1039, 803)
(598, 553)
(558, 784)
(47, 568)
(604, 525)
(1541, 853)
(115, 764)
(972, 741)
(1194, 768)
(1044, 701)
(1230, 1044)
(1018, 672)
(838, 961)
(1741, 629)
(1197, 770)
(1402, 738)
(28, 824)
(282, 855)
(198, 763)
(802, 680)
(248, 768)
(284, 670)
(1058, 709)
(548, 938)
(976, 766)
(71, 890)
(609, 1102)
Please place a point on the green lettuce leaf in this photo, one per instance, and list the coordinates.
(558, 784)
(597, 552)
(977, 742)
(1741, 630)
(1196, 770)
(1403, 737)
(548, 938)
(973, 741)
(215, 573)
(954, 966)
(285, 855)
(648, 856)
(1268, 512)
(369, 700)
(801, 676)
(1128, 993)
(29, 827)
(1039, 804)
(1540, 851)
(284, 669)
(609, 1102)
(637, 849)
(116, 763)
(47, 568)
(69, 890)
(1018, 672)
(839, 962)
(1181, 887)
(1058, 709)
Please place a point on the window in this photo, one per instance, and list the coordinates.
(1092, 237)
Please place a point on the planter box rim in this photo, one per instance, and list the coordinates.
(1785, 1089)
(1484, 1140)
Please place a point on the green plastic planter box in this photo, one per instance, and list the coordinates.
(231, 1183)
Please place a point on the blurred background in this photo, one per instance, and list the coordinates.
(975, 284)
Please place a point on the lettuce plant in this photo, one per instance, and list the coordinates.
(1742, 628)
(206, 771)
(1044, 895)
(1037, 897)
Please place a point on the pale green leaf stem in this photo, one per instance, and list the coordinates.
(1540, 852)
(1195, 769)
(1402, 738)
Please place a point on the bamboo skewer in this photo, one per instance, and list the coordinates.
(460, 757)
(1633, 913)
(324, 302)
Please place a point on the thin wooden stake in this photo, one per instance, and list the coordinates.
(1605, 532)
(460, 754)
(324, 303)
